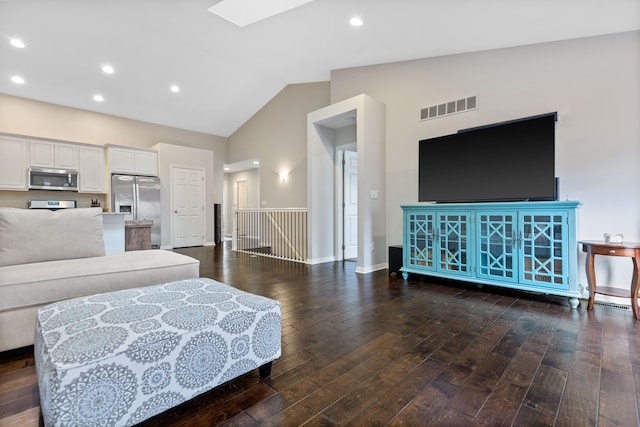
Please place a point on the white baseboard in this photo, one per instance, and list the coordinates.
(320, 260)
(372, 268)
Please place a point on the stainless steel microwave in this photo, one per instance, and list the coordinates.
(53, 179)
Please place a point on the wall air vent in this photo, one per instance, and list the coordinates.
(448, 108)
(612, 305)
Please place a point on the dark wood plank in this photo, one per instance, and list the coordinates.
(507, 396)
(393, 399)
(618, 404)
(427, 405)
(579, 406)
(545, 392)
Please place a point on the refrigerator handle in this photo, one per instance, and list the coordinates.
(136, 199)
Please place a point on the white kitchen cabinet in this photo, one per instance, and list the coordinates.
(92, 171)
(133, 161)
(14, 162)
(66, 156)
(146, 163)
(49, 154)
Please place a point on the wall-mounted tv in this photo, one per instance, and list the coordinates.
(506, 161)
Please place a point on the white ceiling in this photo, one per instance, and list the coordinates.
(226, 73)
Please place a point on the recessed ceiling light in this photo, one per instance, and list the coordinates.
(356, 22)
(98, 98)
(17, 80)
(17, 43)
(175, 88)
(108, 69)
(255, 162)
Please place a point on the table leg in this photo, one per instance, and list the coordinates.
(591, 278)
(635, 286)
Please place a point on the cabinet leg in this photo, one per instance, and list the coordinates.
(265, 370)
(574, 302)
(591, 277)
(405, 275)
(635, 287)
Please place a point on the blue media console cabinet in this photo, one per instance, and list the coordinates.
(529, 246)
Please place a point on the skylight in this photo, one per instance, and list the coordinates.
(245, 12)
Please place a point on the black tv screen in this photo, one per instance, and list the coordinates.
(508, 161)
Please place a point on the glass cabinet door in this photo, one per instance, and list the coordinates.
(453, 251)
(420, 235)
(543, 239)
(496, 246)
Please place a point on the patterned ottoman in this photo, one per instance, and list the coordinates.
(122, 357)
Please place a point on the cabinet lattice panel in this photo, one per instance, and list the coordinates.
(543, 248)
(497, 238)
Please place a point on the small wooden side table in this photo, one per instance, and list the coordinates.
(630, 249)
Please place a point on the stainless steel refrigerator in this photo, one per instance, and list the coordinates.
(138, 197)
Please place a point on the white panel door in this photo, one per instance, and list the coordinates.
(188, 207)
(350, 204)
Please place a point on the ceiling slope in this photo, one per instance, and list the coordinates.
(226, 73)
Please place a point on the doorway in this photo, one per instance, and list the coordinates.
(187, 205)
(361, 119)
(349, 205)
(240, 196)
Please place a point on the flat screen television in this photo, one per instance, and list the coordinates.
(508, 161)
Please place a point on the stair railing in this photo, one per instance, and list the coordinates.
(275, 233)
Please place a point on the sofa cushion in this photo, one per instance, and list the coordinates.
(35, 235)
(25, 287)
(35, 284)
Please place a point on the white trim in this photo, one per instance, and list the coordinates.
(372, 268)
(321, 260)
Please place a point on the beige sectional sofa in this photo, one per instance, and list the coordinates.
(48, 256)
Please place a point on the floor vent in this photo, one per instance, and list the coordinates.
(448, 108)
(614, 306)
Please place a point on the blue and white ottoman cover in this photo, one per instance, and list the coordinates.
(122, 357)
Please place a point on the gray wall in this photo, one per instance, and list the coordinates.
(593, 84)
(277, 136)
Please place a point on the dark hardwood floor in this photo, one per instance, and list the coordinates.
(376, 350)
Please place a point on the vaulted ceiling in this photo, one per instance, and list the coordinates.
(225, 73)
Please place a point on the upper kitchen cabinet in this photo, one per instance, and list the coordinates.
(14, 162)
(134, 161)
(92, 170)
(49, 154)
